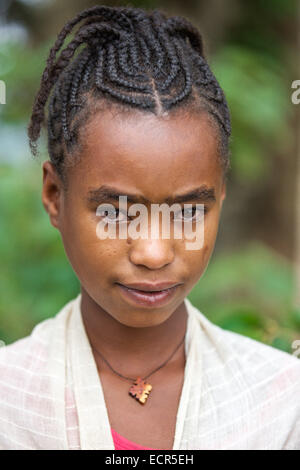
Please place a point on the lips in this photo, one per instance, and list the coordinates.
(150, 287)
(152, 295)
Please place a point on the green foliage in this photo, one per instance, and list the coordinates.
(21, 68)
(258, 95)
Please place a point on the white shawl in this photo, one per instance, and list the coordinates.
(238, 393)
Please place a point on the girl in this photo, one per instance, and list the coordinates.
(130, 363)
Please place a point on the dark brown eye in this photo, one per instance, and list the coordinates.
(112, 214)
(192, 213)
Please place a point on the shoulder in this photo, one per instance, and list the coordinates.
(257, 382)
(247, 351)
(36, 344)
(26, 353)
(22, 371)
(26, 383)
(30, 353)
(262, 359)
(265, 368)
(268, 380)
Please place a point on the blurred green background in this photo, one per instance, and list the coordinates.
(251, 285)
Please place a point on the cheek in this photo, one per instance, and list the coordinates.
(197, 260)
(89, 256)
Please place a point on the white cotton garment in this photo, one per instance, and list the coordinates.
(237, 393)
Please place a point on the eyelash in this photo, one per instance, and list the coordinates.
(205, 210)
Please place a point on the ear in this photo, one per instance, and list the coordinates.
(51, 192)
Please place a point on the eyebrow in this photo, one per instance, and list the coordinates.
(108, 193)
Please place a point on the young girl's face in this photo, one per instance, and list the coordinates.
(150, 157)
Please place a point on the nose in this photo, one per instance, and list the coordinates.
(154, 254)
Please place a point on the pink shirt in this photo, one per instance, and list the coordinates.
(121, 443)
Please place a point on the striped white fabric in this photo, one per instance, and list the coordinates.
(238, 393)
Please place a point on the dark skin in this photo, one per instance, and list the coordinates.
(156, 157)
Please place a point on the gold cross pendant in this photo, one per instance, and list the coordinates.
(140, 390)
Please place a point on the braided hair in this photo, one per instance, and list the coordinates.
(132, 59)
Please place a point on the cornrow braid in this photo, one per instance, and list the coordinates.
(132, 58)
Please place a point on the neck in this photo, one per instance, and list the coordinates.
(132, 351)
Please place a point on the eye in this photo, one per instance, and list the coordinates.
(193, 213)
(111, 215)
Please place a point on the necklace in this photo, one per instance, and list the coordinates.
(140, 389)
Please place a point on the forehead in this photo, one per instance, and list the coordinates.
(150, 154)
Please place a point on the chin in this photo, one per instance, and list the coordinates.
(143, 319)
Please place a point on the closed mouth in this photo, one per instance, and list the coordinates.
(148, 288)
(148, 298)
